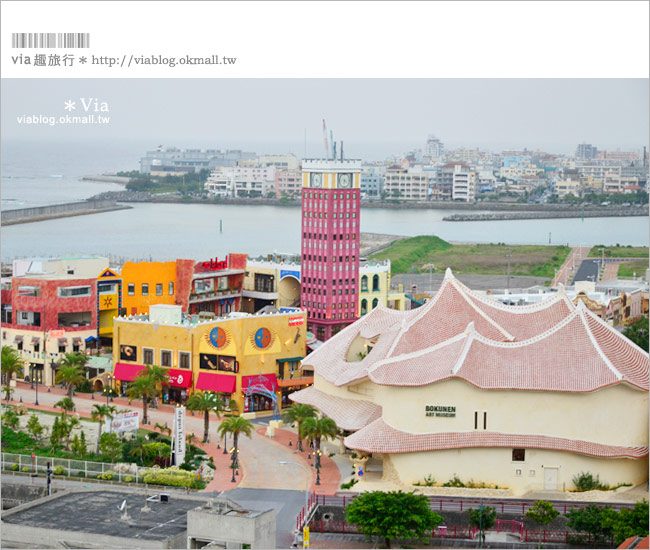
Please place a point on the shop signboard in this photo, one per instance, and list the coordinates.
(124, 422)
(59, 333)
(211, 265)
(179, 435)
(296, 320)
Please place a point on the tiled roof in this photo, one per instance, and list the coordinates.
(330, 359)
(349, 414)
(379, 437)
(549, 346)
(566, 358)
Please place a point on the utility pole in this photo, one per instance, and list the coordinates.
(508, 255)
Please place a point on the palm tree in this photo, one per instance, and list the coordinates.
(297, 414)
(143, 387)
(100, 412)
(317, 428)
(71, 371)
(7, 391)
(11, 364)
(137, 447)
(205, 402)
(235, 426)
(66, 405)
(163, 428)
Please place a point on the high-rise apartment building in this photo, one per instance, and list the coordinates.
(586, 151)
(330, 244)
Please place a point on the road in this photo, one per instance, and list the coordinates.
(568, 270)
(588, 271)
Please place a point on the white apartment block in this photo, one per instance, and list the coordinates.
(410, 183)
(281, 162)
(455, 181)
(242, 181)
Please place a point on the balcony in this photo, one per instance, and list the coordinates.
(214, 295)
(261, 294)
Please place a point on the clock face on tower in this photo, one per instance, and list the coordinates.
(344, 181)
(316, 180)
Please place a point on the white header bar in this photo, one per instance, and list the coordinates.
(326, 39)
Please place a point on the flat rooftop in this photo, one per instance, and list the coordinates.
(97, 512)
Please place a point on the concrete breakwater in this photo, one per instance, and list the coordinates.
(600, 213)
(107, 178)
(41, 213)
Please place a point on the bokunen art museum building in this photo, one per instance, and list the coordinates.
(523, 397)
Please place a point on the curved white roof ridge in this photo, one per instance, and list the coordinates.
(462, 289)
(520, 343)
(611, 329)
(471, 333)
(581, 313)
(406, 324)
(418, 353)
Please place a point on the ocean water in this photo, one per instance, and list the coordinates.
(36, 173)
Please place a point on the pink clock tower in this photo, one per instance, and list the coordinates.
(330, 244)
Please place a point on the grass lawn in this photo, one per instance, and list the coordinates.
(619, 251)
(628, 269)
(485, 259)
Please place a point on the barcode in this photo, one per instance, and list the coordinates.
(50, 40)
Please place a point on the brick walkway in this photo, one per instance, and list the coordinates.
(570, 266)
(330, 478)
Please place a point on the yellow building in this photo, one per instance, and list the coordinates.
(523, 397)
(253, 358)
(374, 288)
(109, 301)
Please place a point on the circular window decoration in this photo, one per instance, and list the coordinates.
(218, 337)
(262, 338)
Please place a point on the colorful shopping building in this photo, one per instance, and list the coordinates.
(211, 286)
(523, 397)
(46, 316)
(254, 359)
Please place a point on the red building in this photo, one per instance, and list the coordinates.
(330, 244)
(44, 317)
(216, 285)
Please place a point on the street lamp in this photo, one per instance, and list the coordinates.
(232, 465)
(37, 381)
(307, 476)
(110, 383)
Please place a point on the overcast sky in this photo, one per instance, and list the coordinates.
(551, 114)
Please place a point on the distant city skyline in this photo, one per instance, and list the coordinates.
(374, 118)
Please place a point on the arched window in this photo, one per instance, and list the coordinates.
(364, 306)
(375, 283)
(364, 283)
(375, 302)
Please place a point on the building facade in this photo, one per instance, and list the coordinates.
(174, 161)
(288, 183)
(44, 317)
(520, 397)
(456, 182)
(331, 199)
(225, 355)
(409, 183)
(277, 283)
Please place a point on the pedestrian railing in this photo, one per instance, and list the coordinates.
(66, 467)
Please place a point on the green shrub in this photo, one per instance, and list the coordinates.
(15, 467)
(128, 479)
(108, 475)
(59, 471)
(454, 482)
(81, 473)
(586, 481)
(26, 469)
(167, 476)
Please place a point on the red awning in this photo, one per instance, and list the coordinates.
(126, 372)
(180, 378)
(224, 383)
(269, 381)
